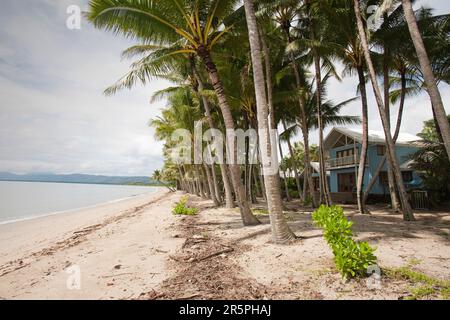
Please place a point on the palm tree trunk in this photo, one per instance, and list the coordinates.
(182, 181)
(325, 196)
(394, 138)
(286, 188)
(295, 168)
(407, 211)
(391, 180)
(216, 184)
(281, 232)
(198, 182)
(365, 140)
(269, 86)
(229, 203)
(430, 81)
(207, 183)
(304, 127)
(436, 126)
(256, 182)
(212, 193)
(247, 217)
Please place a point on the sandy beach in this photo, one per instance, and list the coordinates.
(136, 249)
(120, 249)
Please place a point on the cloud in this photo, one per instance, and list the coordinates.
(54, 116)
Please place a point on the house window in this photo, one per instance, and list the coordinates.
(346, 182)
(407, 176)
(381, 150)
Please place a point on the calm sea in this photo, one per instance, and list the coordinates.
(26, 200)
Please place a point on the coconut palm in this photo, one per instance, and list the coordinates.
(284, 13)
(348, 50)
(281, 232)
(430, 80)
(407, 211)
(192, 27)
(157, 175)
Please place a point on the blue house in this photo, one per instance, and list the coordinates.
(342, 148)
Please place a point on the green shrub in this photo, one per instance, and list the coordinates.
(351, 258)
(182, 209)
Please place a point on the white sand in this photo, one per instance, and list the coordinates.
(120, 248)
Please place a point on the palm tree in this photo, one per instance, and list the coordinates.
(158, 177)
(430, 81)
(407, 211)
(348, 49)
(317, 51)
(281, 232)
(403, 62)
(189, 27)
(284, 13)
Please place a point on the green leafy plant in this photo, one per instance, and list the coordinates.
(351, 258)
(182, 209)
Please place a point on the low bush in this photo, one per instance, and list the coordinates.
(351, 258)
(182, 209)
(422, 285)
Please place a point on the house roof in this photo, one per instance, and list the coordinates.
(316, 168)
(375, 137)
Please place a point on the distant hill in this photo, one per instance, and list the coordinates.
(76, 178)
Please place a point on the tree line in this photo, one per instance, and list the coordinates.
(266, 65)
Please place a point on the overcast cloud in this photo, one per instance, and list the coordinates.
(54, 117)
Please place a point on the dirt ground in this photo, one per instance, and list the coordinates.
(221, 259)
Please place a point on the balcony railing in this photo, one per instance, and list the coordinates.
(342, 162)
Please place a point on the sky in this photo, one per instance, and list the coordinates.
(54, 117)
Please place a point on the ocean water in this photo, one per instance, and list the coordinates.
(27, 200)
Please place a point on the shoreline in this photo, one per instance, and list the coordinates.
(120, 244)
(8, 222)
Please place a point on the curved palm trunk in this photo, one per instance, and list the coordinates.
(296, 175)
(365, 140)
(407, 211)
(391, 180)
(229, 203)
(394, 138)
(281, 232)
(247, 217)
(430, 81)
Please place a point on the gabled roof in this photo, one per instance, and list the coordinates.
(316, 168)
(375, 137)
